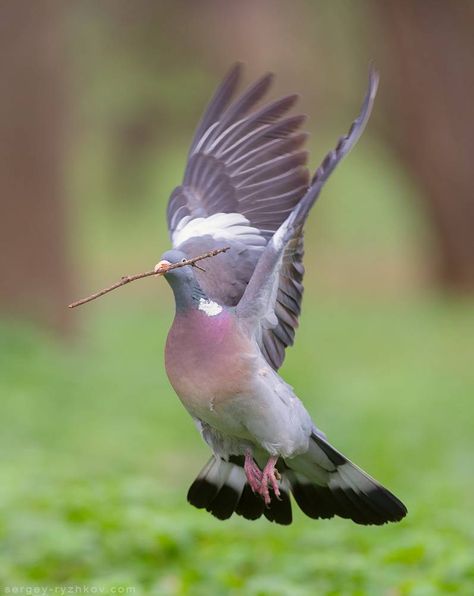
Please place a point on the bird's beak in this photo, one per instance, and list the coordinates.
(162, 267)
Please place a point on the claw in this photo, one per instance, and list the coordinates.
(261, 482)
(270, 478)
(253, 473)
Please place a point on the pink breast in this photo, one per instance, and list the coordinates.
(207, 357)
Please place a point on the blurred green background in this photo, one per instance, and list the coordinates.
(98, 106)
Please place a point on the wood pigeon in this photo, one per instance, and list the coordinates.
(246, 187)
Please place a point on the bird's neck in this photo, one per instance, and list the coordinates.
(190, 296)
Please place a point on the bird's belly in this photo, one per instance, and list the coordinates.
(210, 365)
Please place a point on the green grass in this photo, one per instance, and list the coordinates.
(97, 455)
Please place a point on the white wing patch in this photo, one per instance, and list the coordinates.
(221, 226)
(210, 307)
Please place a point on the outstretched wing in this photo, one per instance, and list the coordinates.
(260, 303)
(245, 174)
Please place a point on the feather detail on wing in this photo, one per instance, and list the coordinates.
(242, 163)
(245, 174)
(265, 294)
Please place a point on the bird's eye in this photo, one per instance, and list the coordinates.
(183, 260)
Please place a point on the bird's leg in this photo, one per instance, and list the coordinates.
(253, 472)
(270, 476)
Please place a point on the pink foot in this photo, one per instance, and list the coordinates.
(253, 472)
(270, 476)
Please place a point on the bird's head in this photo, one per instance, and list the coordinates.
(181, 274)
(183, 282)
(171, 257)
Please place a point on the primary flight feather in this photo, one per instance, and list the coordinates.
(246, 186)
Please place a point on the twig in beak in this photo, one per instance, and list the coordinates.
(126, 279)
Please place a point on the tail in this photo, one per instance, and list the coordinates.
(221, 488)
(324, 483)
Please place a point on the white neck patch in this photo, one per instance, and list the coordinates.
(209, 307)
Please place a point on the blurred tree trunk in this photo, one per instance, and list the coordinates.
(429, 73)
(34, 273)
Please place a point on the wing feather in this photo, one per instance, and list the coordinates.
(271, 302)
(245, 172)
(245, 179)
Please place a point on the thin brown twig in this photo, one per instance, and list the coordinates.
(126, 279)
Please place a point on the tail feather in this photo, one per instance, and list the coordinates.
(205, 487)
(221, 488)
(218, 488)
(224, 504)
(279, 509)
(324, 483)
(313, 500)
(250, 505)
(347, 492)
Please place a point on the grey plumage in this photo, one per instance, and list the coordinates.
(246, 186)
(254, 166)
(366, 502)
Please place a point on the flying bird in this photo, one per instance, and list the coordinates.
(246, 187)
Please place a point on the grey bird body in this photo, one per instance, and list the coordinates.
(246, 187)
(222, 379)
